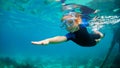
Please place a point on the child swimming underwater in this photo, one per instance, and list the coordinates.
(77, 33)
(75, 23)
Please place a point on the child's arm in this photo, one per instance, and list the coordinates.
(52, 40)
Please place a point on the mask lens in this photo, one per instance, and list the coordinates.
(67, 23)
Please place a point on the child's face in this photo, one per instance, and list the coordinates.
(70, 24)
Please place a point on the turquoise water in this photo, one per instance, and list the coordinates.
(23, 21)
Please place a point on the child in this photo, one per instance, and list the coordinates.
(77, 32)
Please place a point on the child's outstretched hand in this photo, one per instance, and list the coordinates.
(43, 42)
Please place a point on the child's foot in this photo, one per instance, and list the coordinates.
(96, 11)
(102, 36)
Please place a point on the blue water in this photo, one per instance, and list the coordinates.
(23, 21)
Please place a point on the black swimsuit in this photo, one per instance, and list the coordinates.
(82, 37)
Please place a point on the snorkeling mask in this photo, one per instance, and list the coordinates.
(69, 21)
